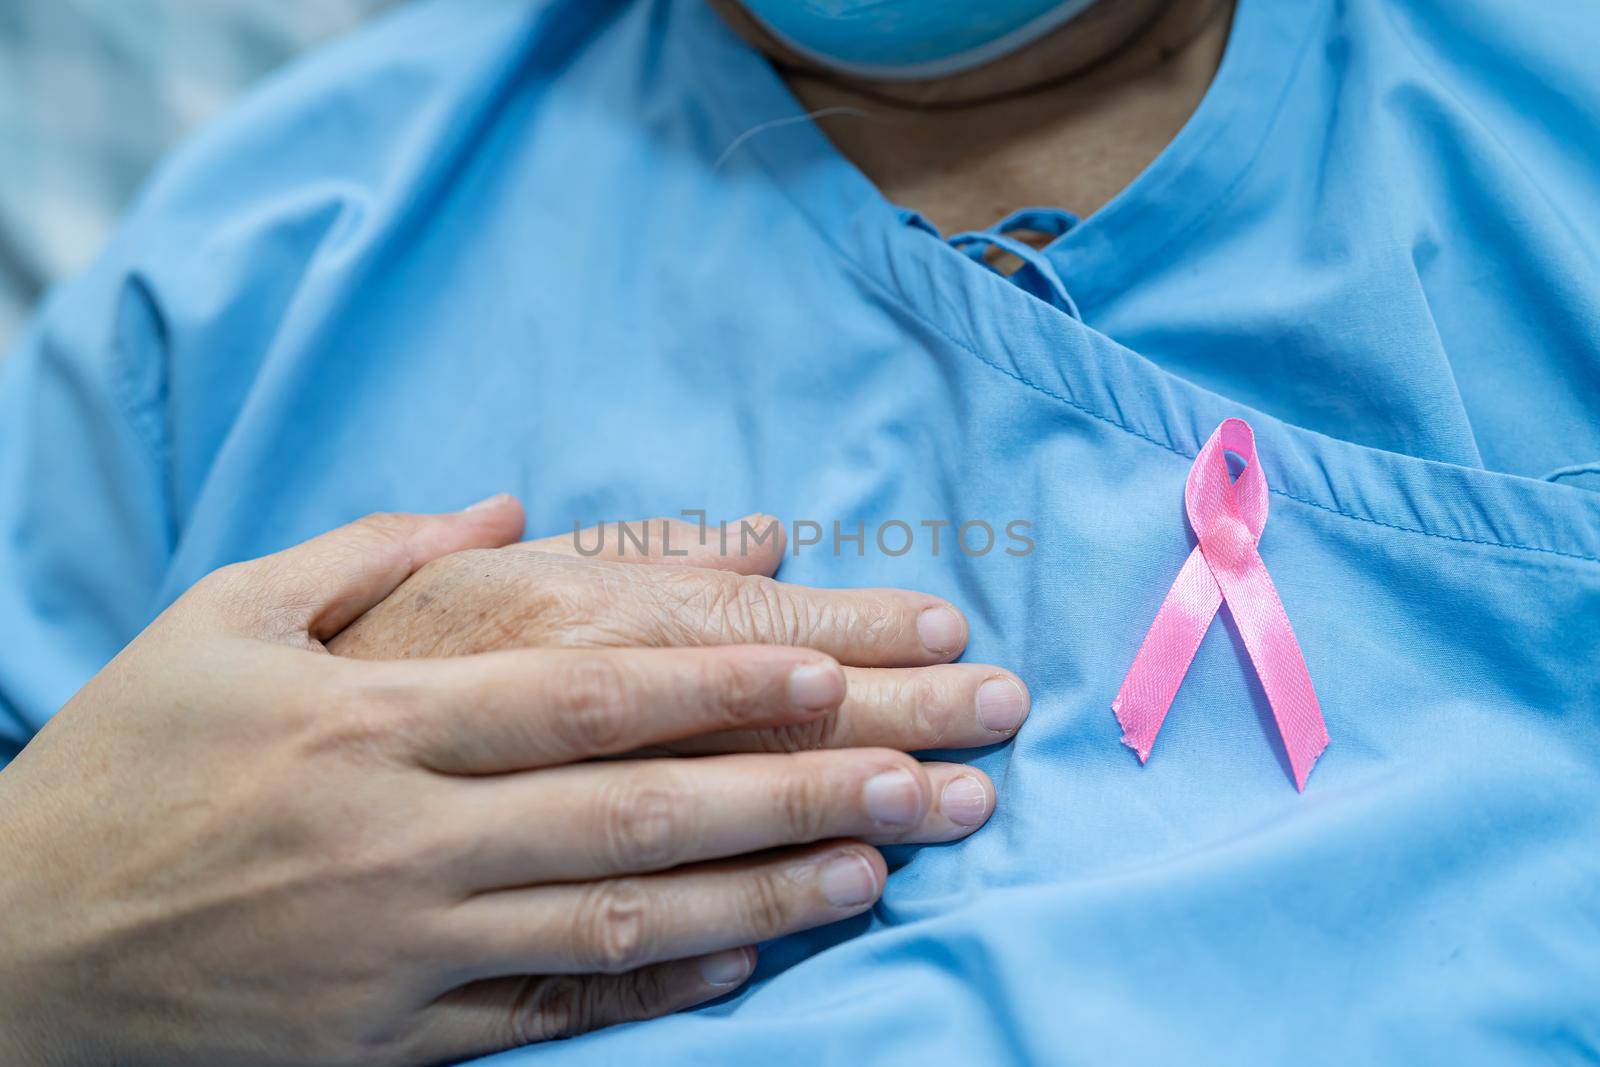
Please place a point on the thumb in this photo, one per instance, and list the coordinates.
(326, 583)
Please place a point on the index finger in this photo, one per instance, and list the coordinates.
(499, 712)
(857, 627)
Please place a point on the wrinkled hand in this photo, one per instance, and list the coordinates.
(542, 594)
(233, 848)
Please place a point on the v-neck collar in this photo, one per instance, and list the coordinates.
(1192, 177)
(1106, 251)
(1041, 348)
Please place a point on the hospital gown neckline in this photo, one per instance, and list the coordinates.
(1045, 350)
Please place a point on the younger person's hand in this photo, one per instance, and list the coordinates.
(234, 848)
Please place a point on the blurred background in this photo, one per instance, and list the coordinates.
(94, 92)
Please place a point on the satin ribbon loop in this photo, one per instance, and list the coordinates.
(1228, 516)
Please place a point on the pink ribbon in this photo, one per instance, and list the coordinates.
(1228, 517)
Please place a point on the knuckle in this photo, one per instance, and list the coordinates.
(639, 994)
(766, 611)
(613, 929)
(730, 691)
(812, 736)
(750, 608)
(595, 693)
(548, 1008)
(768, 904)
(375, 541)
(801, 805)
(678, 600)
(911, 700)
(875, 621)
(642, 824)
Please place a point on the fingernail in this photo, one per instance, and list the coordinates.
(486, 502)
(965, 801)
(892, 798)
(726, 968)
(814, 686)
(1002, 705)
(848, 881)
(941, 630)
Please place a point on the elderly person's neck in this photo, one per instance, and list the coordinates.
(1068, 121)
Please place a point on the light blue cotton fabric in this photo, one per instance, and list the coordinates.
(496, 244)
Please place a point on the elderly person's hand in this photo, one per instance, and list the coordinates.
(231, 847)
(688, 585)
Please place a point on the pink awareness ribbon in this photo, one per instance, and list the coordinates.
(1228, 517)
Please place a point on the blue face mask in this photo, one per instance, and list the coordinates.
(906, 40)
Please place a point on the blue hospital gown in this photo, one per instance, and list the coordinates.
(501, 244)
